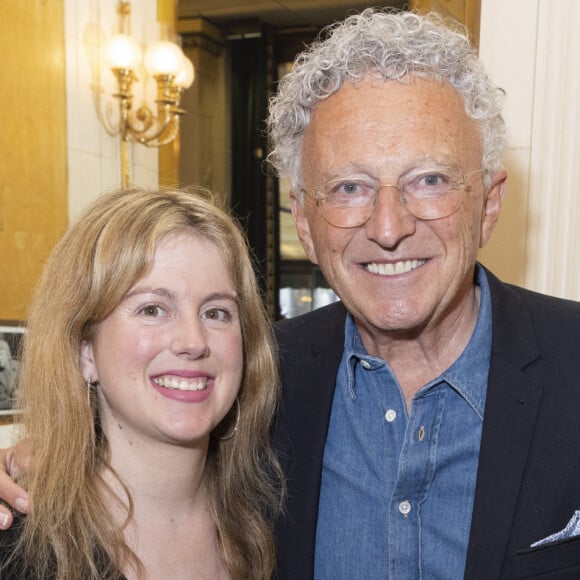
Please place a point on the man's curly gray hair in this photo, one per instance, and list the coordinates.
(394, 45)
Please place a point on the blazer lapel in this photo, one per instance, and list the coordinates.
(510, 414)
(310, 351)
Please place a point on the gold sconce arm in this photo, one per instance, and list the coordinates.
(173, 73)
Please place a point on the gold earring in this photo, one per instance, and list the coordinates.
(236, 424)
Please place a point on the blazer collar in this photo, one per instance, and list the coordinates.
(310, 351)
(510, 414)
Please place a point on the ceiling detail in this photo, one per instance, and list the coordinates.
(278, 13)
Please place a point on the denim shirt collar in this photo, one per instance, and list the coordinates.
(467, 375)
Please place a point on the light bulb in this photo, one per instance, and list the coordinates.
(163, 58)
(122, 51)
(184, 78)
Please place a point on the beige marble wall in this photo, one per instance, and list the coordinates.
(532, 50)
(94, 154)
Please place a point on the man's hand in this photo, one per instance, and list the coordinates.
(11, 461)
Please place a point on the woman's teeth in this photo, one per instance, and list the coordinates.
(198, 384)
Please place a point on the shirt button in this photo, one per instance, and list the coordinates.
(365, 364)
(391, 415)
(405, 508)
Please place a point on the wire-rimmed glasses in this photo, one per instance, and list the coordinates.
(349, 202)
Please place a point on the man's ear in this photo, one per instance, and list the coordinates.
(87, 362)
(303, 228)
(492, 206)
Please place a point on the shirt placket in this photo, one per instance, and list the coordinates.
(416, 468)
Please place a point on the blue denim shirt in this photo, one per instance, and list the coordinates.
(397, 490)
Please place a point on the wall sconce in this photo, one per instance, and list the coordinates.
(173, 73)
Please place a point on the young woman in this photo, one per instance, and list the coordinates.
(148, 385)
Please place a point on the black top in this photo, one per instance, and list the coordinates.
(13, 568)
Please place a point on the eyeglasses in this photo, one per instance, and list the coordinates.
(349, 202)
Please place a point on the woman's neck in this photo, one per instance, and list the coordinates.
(160, 473)
(172, 530)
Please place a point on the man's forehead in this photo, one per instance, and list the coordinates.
(398, 123)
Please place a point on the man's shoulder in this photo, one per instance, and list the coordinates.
(522, 318)
(331, 314)
(539, 305)
(320, 331)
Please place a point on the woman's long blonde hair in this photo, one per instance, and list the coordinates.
(98, 260)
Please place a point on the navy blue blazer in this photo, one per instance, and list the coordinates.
(528, 480)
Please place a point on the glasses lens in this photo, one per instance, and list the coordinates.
(434, 194)
(347, 217)
(433, 209)
(350, 202)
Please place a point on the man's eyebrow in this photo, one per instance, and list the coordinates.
(425, 161)
(436, 162)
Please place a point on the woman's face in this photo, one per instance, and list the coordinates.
(169, 358)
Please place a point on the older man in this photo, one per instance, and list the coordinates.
(430, 420)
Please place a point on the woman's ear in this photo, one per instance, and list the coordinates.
(87, 362)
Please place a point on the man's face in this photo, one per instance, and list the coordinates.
(396, 273)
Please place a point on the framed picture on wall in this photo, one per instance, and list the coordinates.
(10, 337)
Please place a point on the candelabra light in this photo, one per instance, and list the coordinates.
(173, 73)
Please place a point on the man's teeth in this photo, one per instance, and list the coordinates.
(394, 269)
(198, 384)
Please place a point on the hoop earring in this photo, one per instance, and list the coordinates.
(236, 424)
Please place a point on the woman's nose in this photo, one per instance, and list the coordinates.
(189, 338)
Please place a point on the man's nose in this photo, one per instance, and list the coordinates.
(390, 221)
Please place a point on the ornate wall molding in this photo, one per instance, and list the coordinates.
(553, 237)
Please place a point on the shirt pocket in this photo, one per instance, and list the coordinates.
(555, 561)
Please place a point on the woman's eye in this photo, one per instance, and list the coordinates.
(217, 314)
(151, 310)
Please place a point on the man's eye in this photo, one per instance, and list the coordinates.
(428, 184)
(434, 180)
(431, 179)
(350, 188)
